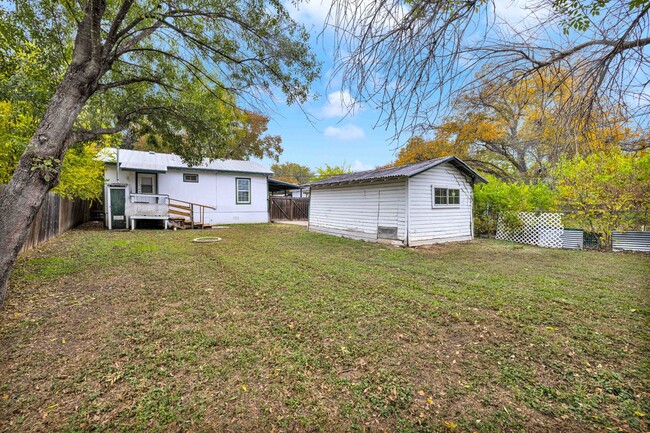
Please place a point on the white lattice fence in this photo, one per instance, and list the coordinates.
(544, 230)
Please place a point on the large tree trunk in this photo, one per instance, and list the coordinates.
(25, 193)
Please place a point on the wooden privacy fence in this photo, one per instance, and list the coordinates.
(57, 215)
(289, 208)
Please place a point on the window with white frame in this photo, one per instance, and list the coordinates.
(445, 197)
(243, 190)
(191, 177)
(146, 183)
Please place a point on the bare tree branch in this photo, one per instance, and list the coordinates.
(122, 83)
(411, 59)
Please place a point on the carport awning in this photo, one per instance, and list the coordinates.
(279, 185)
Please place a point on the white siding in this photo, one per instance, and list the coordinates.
(202, 192)
(355, 211)
(216, 189)
(229, 212)
(110, 176)
(428, 224)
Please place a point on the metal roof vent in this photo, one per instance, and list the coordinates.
(151, 152)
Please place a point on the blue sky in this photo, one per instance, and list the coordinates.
(333, 135)
(324, 131)
(358, 138)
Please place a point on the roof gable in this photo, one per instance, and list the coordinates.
(408, 170)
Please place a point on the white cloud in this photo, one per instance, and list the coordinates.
(339, 104)
(519, 16)
(313, 12)
(360, 166)
(347, 132)
(514, 11)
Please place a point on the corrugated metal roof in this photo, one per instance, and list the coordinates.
(161, 162)
(400, 171)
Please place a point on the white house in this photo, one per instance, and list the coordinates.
(415, 204)
(158, 186)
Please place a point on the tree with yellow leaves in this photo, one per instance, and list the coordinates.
(605, 191)
(510, 130)
(292, 172)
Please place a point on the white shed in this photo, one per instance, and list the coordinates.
(416, 204)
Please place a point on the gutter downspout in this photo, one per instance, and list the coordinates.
(117, 165)
(309, 211)
(471, 208)
(408, 210)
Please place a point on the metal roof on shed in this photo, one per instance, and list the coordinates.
(400, 171)
(161, 162)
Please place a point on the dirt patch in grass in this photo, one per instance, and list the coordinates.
(277, 329)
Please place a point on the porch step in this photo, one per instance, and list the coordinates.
(183, 224)
(178, 223)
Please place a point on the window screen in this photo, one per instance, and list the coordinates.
(190, 177)
(440, 196)
(146, 185)
(454, 196)
(446, 196)
(243, 192)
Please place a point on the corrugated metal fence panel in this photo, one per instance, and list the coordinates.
(631, 241)
(572, 239)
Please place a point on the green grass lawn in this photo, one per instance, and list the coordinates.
(277, 329)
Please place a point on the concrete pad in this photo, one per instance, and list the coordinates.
(295, 223)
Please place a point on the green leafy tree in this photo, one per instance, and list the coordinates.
(241, 136)
(499, 199)
(28, 77)
(82, 173)
(24, 89)
(145, 66)
(17, 124)
(332, 170)
(605, 191)
(292, 172)
(250, 139)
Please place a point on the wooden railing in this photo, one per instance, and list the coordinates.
(185, 209)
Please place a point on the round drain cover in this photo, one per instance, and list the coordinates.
(206, 240)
